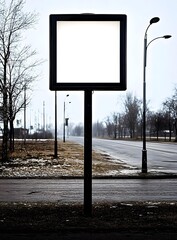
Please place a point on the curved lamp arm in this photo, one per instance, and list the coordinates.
(165, 36)
(153, 20)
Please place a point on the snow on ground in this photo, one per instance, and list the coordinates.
(56, 168)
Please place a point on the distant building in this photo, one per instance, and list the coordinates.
(20, 132)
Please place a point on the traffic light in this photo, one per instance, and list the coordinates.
(66, 121)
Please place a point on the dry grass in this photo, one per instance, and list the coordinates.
(116, 217)
(70, 159)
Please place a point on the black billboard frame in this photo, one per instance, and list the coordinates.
(108, 86)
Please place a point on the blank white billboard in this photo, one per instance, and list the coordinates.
(88, 52)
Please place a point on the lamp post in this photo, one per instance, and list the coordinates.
(64, 123)
(144, 151)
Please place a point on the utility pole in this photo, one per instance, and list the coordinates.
(25, 114)
(43, 119)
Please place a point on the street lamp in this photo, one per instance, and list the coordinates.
(64, 120)
(144, 151)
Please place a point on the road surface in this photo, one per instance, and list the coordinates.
(160, 156)
(71, 190)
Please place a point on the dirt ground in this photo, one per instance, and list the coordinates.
(128, 219)
(122, 216)
(142, 220)
(36, 159)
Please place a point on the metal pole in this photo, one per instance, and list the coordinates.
(25, 114)
(43, 119)
(64, 123)
(88, 153)
(144, 151)
(55, 147)
(64, 120)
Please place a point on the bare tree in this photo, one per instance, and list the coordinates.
(21, 75)
(132, 111)
(12, 22)
(170, 105)
(109, 126)
(167, 108)
(78, 130)
(115, 124)
(98, 129)
(121, 125)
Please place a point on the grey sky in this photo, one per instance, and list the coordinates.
(161, 60)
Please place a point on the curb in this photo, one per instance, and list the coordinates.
(135, 176)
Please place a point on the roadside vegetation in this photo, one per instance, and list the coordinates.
(35, 158)
(128, 124)
(18, 65)
(147, 218)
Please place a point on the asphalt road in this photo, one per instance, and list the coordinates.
(71, 190)
(160, 156)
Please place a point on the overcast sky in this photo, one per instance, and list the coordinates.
(161, 60)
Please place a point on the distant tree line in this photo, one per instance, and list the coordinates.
(129, 123)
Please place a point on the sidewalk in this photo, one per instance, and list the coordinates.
(127, 174)
(135, 220)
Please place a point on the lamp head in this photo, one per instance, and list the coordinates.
(167, 36)
(154, 20)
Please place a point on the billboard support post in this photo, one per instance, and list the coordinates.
(88, 152)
